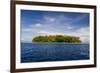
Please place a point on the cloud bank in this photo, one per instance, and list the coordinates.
(51, 23)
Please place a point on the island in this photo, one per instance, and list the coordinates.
(57, 38)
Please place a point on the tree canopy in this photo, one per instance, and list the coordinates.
(57, 38)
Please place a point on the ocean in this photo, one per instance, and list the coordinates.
(47, 52)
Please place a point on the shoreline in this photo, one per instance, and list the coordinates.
(52, 43)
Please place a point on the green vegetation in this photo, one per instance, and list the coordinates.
(57, 38)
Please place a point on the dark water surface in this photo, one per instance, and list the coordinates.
(41, 52)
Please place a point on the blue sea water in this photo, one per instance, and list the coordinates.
(43, 52)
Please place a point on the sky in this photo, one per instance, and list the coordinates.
(35, 23)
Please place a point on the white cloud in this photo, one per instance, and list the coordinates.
(35, 25)
(38, 25)
(30, 32)
(49, 19)
(83, 33)
(69, 27)
(43, 32)
(58, 25)
(26, 30)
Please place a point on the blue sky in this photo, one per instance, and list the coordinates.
(35, 23)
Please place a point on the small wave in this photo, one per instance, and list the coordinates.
(82, 53)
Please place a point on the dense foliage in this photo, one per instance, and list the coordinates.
(57, 38)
